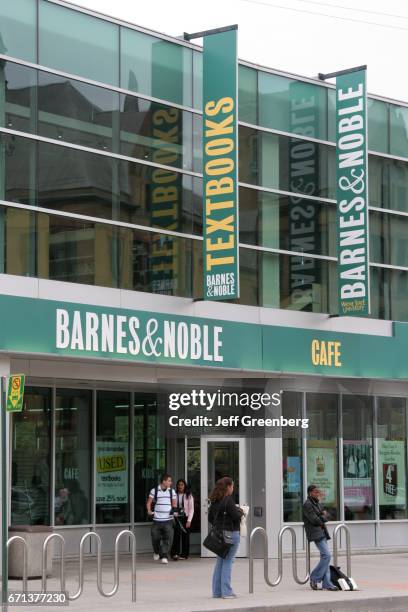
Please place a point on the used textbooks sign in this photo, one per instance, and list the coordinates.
(352, 205)
(220, 172)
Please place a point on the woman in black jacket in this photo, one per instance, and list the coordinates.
(225, 515)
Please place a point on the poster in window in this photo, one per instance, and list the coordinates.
(321, 468)
(357, 471)
(293, 475)
(391, 472)
(111, 472)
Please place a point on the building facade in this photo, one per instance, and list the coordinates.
(101, 237)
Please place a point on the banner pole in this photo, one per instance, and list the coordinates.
(4, 497)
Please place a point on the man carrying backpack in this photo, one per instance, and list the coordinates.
(165, 502)
(315, 519)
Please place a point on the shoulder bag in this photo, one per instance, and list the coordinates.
(218, 540)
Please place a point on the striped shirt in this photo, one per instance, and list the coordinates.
(163, 506)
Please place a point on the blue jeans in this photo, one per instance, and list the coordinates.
(321, 572)
(221, 581)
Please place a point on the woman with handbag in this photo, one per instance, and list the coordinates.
(224, 517)
(185, 512)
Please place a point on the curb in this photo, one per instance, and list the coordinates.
(378, 604)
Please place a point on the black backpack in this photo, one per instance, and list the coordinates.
(340, 580)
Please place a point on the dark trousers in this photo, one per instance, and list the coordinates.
(162, 535)
(181, 540)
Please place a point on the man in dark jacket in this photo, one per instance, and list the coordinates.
(315, 519)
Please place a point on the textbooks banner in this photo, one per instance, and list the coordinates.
(352, 194)
(220, 166)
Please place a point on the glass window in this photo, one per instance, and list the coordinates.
(289, 164)
(389, 290)
(73, 460)
(91, 184)
(159, 263)
(291, 224)
(377, 127)
(112, 457)
(378, 131)
(17, 165)
(292, 466)
(197, 79)
(19, 243)
(156, 67)
(398, 130)
(248, 94)
(388, 239)
(18, 97)
(158, 197)
(388, 183)
(292, 106)
(358, 469)
(76, 251)
(194, 479)
(289, 282)
(71, 250)
(76, 181)
(392, 457)
(149, 449)
(18, 29)
(77, 112)
(77, 43)
(156, 132)
(322, 448)
(31, 459)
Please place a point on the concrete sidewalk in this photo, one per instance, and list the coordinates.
(184, 586)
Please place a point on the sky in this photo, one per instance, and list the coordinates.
(296, 36)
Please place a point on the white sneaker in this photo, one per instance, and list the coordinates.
(164, 560)
(156, 557)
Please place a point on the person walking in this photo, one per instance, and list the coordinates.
(225, 515)
(164, 499)
(315, 519)
(185, 513)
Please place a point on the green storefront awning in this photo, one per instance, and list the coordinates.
(38, 326)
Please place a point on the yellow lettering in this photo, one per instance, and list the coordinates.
(223, 105)
(326, 353)
(223, 225)
(219, 166)
(218, 261)
(219, 186)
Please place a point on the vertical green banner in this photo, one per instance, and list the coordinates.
(220, 166)
(352, 194)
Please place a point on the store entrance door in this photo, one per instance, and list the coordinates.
(222, 457)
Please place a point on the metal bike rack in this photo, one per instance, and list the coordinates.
(278, 579)
(336, 533)
(93, 534)
(53, 536)
(17, 538)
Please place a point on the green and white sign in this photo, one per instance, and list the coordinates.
(352, 194)
(33, 326)
(220, 166)
(15, 393)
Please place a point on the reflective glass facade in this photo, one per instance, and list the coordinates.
(101, 184)
(117, 140)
